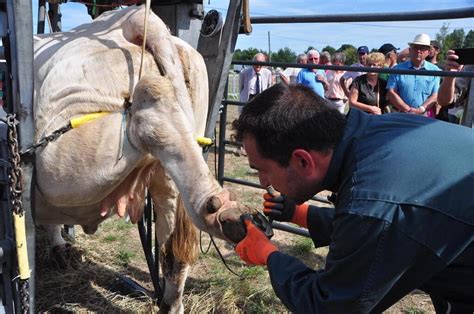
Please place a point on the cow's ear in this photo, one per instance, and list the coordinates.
(214, 204)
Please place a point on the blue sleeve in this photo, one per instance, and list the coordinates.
(363, 271)
(392, 81)
(320, 224)
(436, 84)
(299, 78)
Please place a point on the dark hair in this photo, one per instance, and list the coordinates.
(287, 117)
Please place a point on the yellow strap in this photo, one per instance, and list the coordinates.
(77, 122)
(21, 246)
(204, 141)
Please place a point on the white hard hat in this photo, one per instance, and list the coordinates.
(421, 39)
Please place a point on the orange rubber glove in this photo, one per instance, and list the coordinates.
(255, 248)
(281, 208)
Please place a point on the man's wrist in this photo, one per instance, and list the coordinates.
(300, 217)
(423, 109)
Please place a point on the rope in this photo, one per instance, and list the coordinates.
(145, 31)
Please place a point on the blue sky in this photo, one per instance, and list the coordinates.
(299, 36)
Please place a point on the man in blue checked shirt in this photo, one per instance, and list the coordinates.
(415, 94)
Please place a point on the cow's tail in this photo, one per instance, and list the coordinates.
(184, 239)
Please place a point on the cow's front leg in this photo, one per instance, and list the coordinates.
(158, 125)
(176, 237)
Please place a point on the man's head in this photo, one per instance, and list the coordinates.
(362, 53)
(259, 57)
(339, 58)
(289, 134)
(325, 58)
(435, 49)
(419, 49)
(313, 56)
(302, 58)
(390, 53)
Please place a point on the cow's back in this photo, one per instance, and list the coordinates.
(91, 68)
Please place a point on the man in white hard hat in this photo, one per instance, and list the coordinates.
(415, 94)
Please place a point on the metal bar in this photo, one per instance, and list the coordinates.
(368, 17)
(291, 229)
(222, 132)
(316, 198)
(360, 69)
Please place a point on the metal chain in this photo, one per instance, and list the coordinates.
(16, 173)
(16, 189)
(47, 139)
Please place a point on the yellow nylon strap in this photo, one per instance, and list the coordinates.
(21, 246)
(77, 122)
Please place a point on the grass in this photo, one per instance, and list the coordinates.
(302, 246)
(125, 256)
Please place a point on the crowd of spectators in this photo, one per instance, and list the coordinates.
(375, 93)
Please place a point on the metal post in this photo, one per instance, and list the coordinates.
(54, 14)
(222, 131)
(41, 16)
(21, 46)
(217, 49)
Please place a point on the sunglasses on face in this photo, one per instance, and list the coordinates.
(419, 47)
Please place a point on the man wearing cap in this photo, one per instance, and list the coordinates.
(390, 53)
(414, 94)
(349, 76)
(434, 52)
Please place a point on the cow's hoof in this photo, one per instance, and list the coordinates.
(65, 256)
(232, 226)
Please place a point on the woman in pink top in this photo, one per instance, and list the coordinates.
(335, 93)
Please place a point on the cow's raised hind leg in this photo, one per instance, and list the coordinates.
(177, 240)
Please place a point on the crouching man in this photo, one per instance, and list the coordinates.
(404, 214)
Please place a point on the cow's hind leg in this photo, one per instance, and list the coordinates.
(177, 241)
(63, 255)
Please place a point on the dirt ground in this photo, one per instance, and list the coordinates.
(98, 282)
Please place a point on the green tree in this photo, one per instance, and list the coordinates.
(350, 51)
(455, 39)
(246, 54)
(329, 49)
(344, 47)
(443, 32)
(469, 40)
(284, 55)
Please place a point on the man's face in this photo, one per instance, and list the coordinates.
(313, 59)
(419, 52)
(283, 179)
(393, 55)
(303, 60)
(362, 57)
(434, 51)
(257, 68)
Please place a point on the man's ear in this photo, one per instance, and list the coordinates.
(303, 162)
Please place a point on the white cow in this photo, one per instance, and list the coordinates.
(104, 166)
